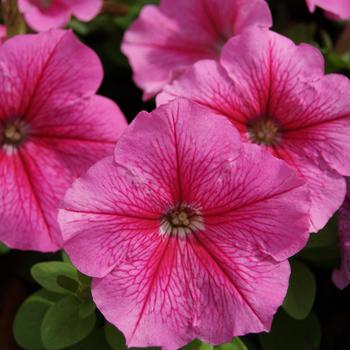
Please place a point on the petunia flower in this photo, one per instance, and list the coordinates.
(278, 97)
(42, 15)
(166, 39)
(52, 128)
(336, 9)
(186, 230)
(341, 277)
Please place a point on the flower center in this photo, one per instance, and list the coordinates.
(264, 131)
(181, 220)
(13, 133)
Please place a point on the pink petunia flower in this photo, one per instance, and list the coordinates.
(42, 15)
(335, 9)
(277, 95)
(52, 128)
(187, 230)
(341, 278)
(166, 39)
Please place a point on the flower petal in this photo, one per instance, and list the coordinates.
(51, 75)
(179, 290)
(85, 10)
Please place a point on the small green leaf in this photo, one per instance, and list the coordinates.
(86, 309)
(114, 338)
(65, 257)
(67, 283)
(62, 326)
(27, 324)
(301, 292)
(290, 334)
(236, 344)
(322, 249)
(79, 27)
(46, 274)
(84, 280)
(302, 32)
(3, 249)
(95, 341)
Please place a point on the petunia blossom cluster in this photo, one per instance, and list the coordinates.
(186, 218)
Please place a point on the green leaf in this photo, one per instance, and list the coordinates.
(322, 249)
(95, 341)
(205, 346)
(47, 273)
(62, 326)
(67, 283)
(65, 257)
(84, 280)
(301, 292)
(86, 309)
(114, 338)
(79, 27)
(3, 249)
(302, 32)
(236, 344)
(290, 334)
(29, 318)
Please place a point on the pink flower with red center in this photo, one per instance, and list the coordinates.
(187, 230)
(278, 97)
(168, 38)
(42, 15)
(341, 277)
(52, 128)
(337, 9)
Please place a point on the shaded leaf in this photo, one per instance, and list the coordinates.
(301, 292)
(290, 334)
(47, 273)
(236, 344)
(29, 318)
(62, 326)
(3, 249)
(86, 309)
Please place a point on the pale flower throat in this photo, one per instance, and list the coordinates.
(13, 133)
(264, 131)
(181, 220)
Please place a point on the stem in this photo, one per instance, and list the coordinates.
(343, 44)
(116, 9)
(13, 19)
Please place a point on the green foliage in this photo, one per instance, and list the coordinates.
(56, 276)
(302, 33)
(62, 314)
(29, 318)
(3, 249)
(95, 341)
(62, 325)
(322, 249)
(114, 338)
(135, 7)
(290, 334)
(301, 292)
(236, 344)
